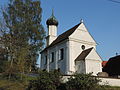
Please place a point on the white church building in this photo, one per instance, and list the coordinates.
(72, 51)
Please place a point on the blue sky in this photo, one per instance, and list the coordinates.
(101, 17)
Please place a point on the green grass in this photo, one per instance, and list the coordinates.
(6, 84)
(17, 85)
(12, 85)
(111, 88)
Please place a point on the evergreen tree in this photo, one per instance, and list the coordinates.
(22, 35)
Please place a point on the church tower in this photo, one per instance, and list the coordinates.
(52, 24)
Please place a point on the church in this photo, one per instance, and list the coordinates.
(72, 51)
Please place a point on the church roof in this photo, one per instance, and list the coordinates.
(83, 54)
(63, 36)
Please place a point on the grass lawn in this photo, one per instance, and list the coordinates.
(111, 88)
(12, 85)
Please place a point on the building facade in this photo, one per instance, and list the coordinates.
(73, 51)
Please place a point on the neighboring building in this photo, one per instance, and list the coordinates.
(112, 67)
(104, 63)
(73, 51)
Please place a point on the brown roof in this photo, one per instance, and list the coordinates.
(63, 36)
(83, 54)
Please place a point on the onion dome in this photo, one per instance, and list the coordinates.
(52, 20)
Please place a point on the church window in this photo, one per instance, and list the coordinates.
(52, 57)
(45, 60)
(61, 54)
(83, 47)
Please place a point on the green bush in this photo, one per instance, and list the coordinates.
(52, 81)
(82, 82)
(45, 81)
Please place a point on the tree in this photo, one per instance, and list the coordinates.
(22, 34)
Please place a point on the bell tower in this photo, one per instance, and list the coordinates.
(52, 25)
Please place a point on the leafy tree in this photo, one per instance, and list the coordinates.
(22, 34)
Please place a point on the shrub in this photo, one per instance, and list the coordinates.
(82, 82)
(45, 81)
(52, 81)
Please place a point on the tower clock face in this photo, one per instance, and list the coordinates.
(83, 47)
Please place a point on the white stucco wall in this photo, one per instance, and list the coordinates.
(75, 50)
(50, 39)
(93, 62)
(82, 34)
(93, 55)
(51, 34)
(93, 66)
(62, 64)
(80, 66)
(78, 38)
(52, 30)
(110, 81)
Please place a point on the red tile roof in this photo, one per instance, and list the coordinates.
(104, 63)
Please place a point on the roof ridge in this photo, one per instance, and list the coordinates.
(70, 29)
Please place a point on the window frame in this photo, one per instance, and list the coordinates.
(52, 57)
(61, 54)
(45, 60)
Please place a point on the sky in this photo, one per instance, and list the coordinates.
(101, 17)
